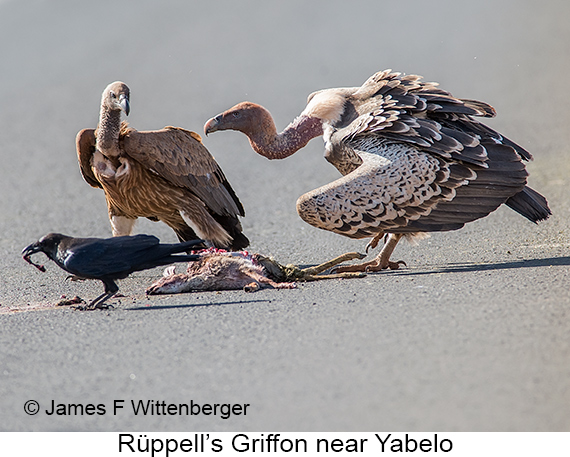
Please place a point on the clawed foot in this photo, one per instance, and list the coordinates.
(313, 271)
(98, 303)
(90, 307)
(374, 241)
(370, 267)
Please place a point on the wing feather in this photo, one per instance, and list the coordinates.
(85, 146)
(403, 189)
(407, 110)
(109, 256)
(179, 156)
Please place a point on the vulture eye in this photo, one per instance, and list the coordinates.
(113, 95)
(236, 114)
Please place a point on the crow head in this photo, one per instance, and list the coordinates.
(48, 245)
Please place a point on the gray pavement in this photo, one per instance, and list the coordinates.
(473, 335)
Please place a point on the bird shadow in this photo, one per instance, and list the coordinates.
(194, 305)
(469, 267)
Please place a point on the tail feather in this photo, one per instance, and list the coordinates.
(530, 204)
(232, 225)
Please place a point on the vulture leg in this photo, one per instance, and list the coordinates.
(382, 260)
(122, 225)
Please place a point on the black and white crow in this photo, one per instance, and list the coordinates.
(108, 259)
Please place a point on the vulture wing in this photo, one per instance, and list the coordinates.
(407, 110)
(403, 190)
(179, 156)
(85, 145)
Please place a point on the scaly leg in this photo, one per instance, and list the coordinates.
(312, 273)
(382, 260)
(331, 263)
(98, 303)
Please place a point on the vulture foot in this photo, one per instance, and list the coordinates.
(371, 267)
(313, 273)
(374, 241)
(382, 260)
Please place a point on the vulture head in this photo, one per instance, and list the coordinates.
(116, 97)
(245, 117)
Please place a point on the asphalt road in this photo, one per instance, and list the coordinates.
(473, 335)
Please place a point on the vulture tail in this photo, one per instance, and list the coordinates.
(530, 204)
(232, 225)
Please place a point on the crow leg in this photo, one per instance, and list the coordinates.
(382, 260)
(98, 303)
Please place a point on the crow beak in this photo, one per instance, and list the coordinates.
(212, 124)
(32, 249)
(124, 103)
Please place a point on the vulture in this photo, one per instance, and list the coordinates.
(107, 259)
(164, 175)
(414, 159)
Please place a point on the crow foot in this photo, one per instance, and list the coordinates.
(98, 303)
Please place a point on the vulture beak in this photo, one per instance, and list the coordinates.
(124, 103)
(212, 124)
(32, 249)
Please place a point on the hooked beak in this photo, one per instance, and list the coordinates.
(124, 103)
(32, 249)
(212, 124)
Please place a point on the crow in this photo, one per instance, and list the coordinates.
(107, 259)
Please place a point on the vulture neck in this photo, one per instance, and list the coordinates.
(108, 132)
(268, 143)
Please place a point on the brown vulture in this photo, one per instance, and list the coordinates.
(164, 175)
(413, 159)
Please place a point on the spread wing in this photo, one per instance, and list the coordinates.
(85, 145)
(403, 190)
(179, 156)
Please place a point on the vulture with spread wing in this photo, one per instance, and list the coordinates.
(165, 175)
(413, 159)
